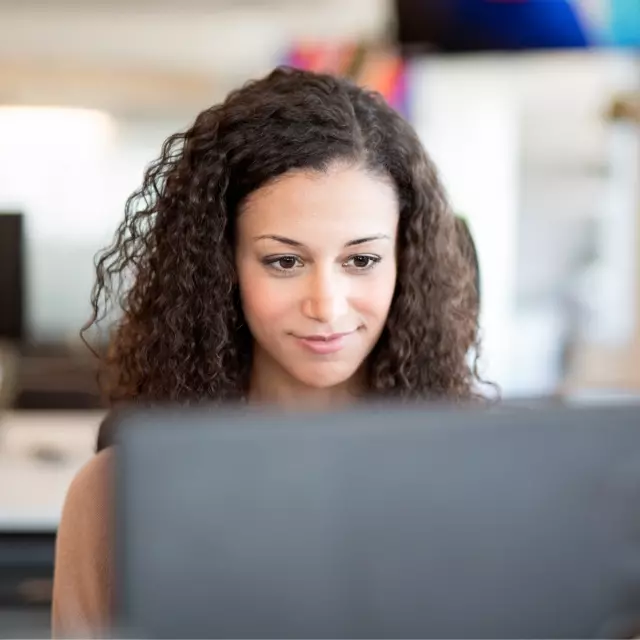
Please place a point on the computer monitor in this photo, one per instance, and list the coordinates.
(12, 297)
(455, 26)
(380, 523)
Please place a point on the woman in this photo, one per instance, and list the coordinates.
(294, 247)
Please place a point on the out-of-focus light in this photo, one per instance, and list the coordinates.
(54, 122)
(53, 165)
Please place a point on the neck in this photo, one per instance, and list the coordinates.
(272, 385)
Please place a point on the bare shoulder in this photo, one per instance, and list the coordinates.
(83, 565)
(86, 517)
(93, 479)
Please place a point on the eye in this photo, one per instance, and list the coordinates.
(362, 262)
(283, 263)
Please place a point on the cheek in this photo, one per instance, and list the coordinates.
(263, 302)
(374, 297)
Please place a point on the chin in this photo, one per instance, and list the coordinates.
(317, 379)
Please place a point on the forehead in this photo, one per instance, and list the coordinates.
(340, 203)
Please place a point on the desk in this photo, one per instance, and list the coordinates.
(40, 453)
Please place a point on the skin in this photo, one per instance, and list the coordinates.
(316, 257)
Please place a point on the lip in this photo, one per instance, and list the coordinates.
(324, 344)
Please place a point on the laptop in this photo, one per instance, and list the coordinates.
(379, 522)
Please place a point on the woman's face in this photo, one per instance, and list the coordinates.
(317, 270)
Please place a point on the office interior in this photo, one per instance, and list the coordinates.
(539, 149)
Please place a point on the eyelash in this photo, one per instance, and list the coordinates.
(272, 262)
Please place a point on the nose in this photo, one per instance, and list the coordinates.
(326, 298)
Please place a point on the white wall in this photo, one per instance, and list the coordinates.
(527, 156)
(466, 114)
(70, 171)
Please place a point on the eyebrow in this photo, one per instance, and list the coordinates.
(295, 243)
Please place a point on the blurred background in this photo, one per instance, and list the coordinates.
(530, 108)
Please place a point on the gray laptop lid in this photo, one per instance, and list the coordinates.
(380, 524)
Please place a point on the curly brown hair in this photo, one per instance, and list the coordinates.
(170, 269)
